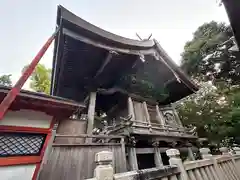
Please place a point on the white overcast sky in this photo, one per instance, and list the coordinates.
(26, 24)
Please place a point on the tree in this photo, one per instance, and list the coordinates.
(40, 79)
(208, 56)
(215, 109)
(5, 80)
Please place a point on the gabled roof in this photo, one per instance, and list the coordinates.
(87, 57)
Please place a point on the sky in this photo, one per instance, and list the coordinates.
(27, 24)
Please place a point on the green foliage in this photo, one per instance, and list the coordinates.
(207, 55)
(41, 79)
(214, 110)
(215, 113)
(5, 80)
(144, 87)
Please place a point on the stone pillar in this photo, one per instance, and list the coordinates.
(205, 153)
(174, 159)
(104, 169)
(224, 151)
(132, 155)
(237, 150)
(91, 112)
(157, 155)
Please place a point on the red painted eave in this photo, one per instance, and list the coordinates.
(51, 105)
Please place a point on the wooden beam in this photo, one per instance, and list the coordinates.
(132, 157)
(19, 160)
(89, 136)
(190, 154)
(127, 50)
(132, 95)
(162, 150)
(144, 150)
(146, 113)
(124, 161)
(47, 152)
(139, 59)
(87, 144)
(157, 157)
(105, 63)
(160, 116)
(131, 109)
(91, 112)
(177, 117)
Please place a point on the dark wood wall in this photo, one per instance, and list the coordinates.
(77, 162)
(69, 126)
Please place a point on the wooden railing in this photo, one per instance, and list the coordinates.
(164, 129)
(219, 167)
(78, 140)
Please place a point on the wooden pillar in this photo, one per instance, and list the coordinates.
(91, 112)
(190, 152)
(160, 116)
(124, 161)
(132, 155)
(131, 109)
(147, 115)
(179, 122)
(157, 155)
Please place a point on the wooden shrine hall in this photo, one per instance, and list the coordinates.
(128, 86)
(108, 93)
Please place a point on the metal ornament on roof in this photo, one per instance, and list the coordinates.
(146, 39)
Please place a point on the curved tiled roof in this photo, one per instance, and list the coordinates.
(87, 57)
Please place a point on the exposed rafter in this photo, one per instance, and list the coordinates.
(105, 63)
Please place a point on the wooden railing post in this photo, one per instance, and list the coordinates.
(104, 169)
(174, 159)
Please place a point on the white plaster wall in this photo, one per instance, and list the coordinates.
(20, 172)
(27, 118)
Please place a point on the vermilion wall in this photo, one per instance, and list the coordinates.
(14, 126)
